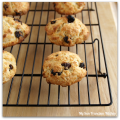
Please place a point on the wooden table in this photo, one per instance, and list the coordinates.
(109, 35)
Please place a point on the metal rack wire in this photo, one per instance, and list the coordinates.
(96, 75)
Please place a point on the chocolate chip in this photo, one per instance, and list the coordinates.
(53, 22)
(18, 34)
(82, 65)
(52, 72)
(11, 67)
(16, 19)
(66, 65)
(5, 6)
(66, 39)
(70, 19)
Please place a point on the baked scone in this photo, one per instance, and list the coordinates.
(66, 31)
(15, 8)
(14, 31)
(9, 66)
(63, 68)
(68, 8)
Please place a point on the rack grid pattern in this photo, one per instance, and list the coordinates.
(96, 75)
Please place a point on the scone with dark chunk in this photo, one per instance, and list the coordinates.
(68, 8)
(63, 68)
(66, 31)
(9, 66)
(14, 31)
(15, 8)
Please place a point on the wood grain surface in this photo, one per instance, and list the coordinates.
(109, 36)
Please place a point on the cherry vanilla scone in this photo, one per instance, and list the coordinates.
(66, 31)
(68, 8)
(9, 66)
(63, 68)
(14, 31)
(15, 8)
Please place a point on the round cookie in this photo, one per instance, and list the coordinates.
(9, 66)
(66, 31)
(15, 8)
(68, 8)
(63, 68)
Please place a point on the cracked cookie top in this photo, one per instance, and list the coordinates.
(68, 8)
(66, 31)
(63, 68)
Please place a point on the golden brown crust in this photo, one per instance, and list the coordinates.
(56, 72)
(76, 31)
(10, 27)
(68, 8)
(9, 66)
(15, 8)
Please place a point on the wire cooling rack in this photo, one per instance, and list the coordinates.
(97, 53)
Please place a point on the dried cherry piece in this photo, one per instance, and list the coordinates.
(18, 34)
(70, 19)
(5, 6)
(59, 73)
(16, 19)
(52, 72)
(66, 39)
(11, 67)
(18, 13)
(66, 65)
(82, 65)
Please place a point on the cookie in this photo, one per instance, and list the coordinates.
(15, 8)
(63, 68)
(68, 8)
(9, 66)
(66, 31)
(14, 31)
